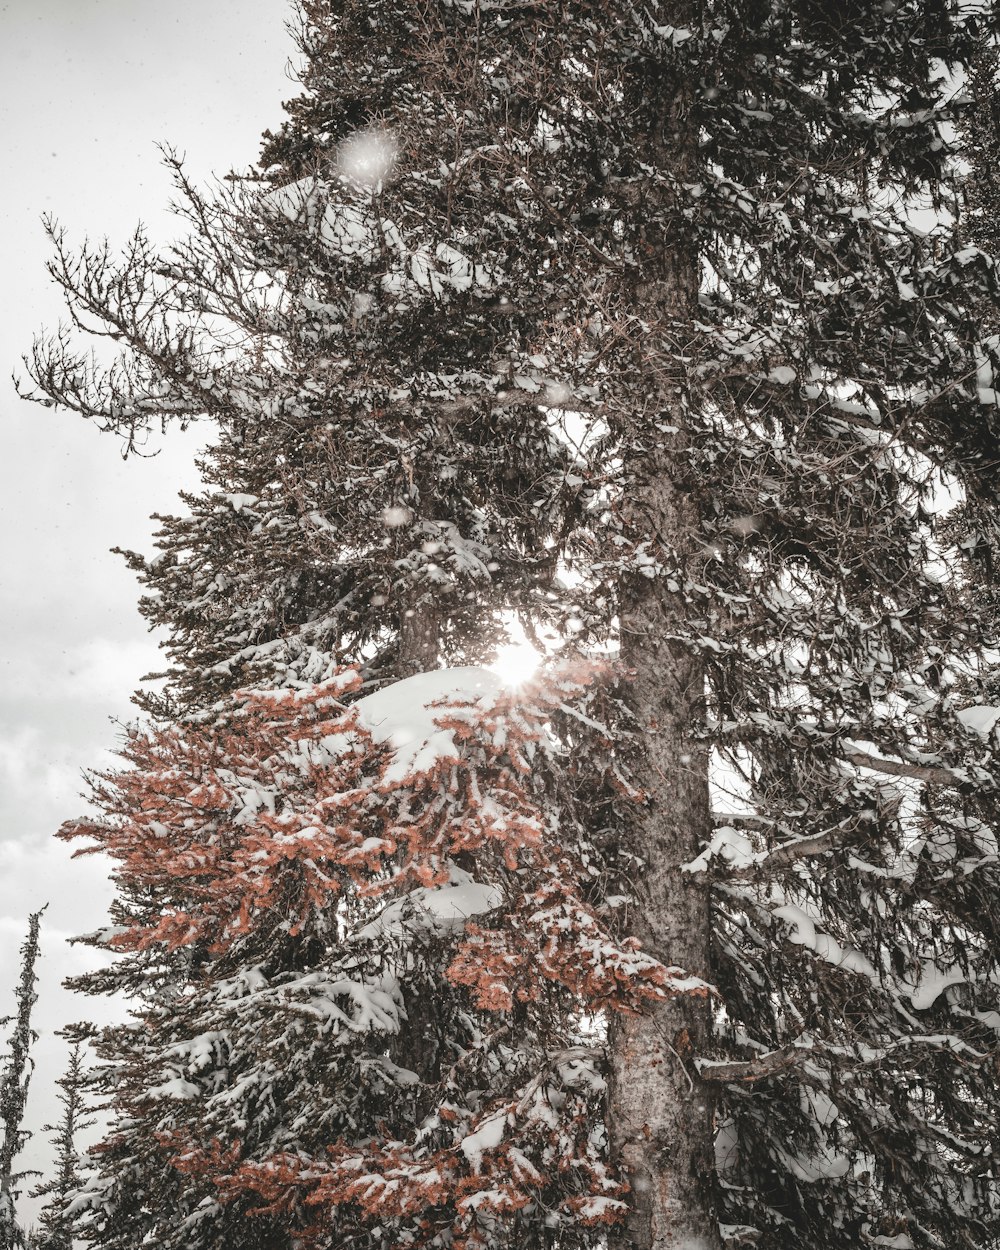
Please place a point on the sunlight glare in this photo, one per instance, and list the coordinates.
(516, 663)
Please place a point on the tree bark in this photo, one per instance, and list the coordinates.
(419, 639)
(660, 1114)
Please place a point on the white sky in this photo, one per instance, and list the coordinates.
(87, 88)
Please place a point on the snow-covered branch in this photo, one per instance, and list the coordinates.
(750, 1070)
(934, 774)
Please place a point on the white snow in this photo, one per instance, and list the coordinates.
(577, 1070)
(398, 1075)
(177, 1088)
(674, 35)
(488, 1136)
(239, 502)
(349, 231)
(933, 982)
(985, 375)
(981, 718)
(436, 908)
(728, 844)
(349, 1005)
(403, 716)
(739, 1234)
(105, 936)
(826, 1165)
(803, 932)
(597, 1207)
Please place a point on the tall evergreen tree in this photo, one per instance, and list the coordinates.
(15, 1078)
(382, 487)
(729, 237)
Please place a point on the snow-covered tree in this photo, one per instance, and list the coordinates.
(380, 486)
(15, 1076)
(383, 485)
(660, 326)
(349, 508)
(982, 134)
(284, 864)
(56, 1222)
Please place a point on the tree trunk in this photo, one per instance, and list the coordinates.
(419, 640)
(660, 1115)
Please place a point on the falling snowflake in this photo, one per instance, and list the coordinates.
(366, 158)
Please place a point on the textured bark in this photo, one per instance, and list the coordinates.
(660, 1114)
(419, 640)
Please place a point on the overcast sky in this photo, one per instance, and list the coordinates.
(87, 89)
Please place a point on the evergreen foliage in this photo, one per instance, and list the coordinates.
(662, 327)
(288, 866)
(982, 135)
(15, 1077)
(56, 1223)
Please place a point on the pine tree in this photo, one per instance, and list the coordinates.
(390, 534)
(14, 1081)
(56, 1222)
(303, 850)
(982, 134)
(699, 229)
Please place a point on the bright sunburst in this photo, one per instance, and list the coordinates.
(516, 663)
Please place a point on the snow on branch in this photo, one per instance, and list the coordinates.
(750, 1070)
(934, 774)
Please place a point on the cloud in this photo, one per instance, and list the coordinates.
(99, 670)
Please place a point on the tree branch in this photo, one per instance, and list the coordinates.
(750, 1070)
(934, 774)
(785, 852)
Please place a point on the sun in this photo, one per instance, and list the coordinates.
(516, 663)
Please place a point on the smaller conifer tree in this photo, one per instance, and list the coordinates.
(284, 862)
(56, 1222)
(14, 1080)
